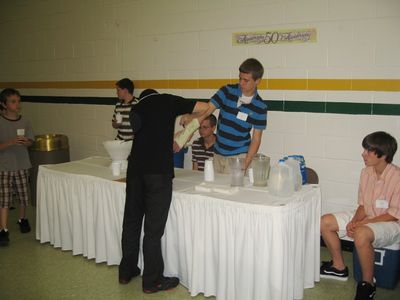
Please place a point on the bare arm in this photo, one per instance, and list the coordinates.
(200, 107)
(8, 144)
(201, 111)
(253, 148)
(19, 140)
(195, 166)
(208, 111)
(359, 216)
(382, 218)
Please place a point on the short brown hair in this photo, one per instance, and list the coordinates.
(126, 83)
(7, 93)
(253, 66)
(212, 119)
(381, 143)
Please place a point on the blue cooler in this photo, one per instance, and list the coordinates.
(386, 269)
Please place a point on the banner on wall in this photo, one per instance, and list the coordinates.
(281, 36)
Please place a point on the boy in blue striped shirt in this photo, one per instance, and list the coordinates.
(241, 110)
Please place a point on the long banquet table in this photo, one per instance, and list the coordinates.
(234, 244)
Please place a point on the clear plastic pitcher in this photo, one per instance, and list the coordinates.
(295, 165)
(280, 182)
(236, 165)
(260, 165)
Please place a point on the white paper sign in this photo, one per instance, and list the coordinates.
(242, 116)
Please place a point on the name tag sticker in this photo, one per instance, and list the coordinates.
(381, 203)
(242, 116)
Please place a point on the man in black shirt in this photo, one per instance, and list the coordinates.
(149, 185)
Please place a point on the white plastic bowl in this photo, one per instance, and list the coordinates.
(119, 151)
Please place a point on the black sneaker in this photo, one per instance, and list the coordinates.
(4, 239)
(166, 283)
(24, 226)
(328, 271)
(365, 291)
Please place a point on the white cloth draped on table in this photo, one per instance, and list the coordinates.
(236, 251)
(81, 213)
(249, 245)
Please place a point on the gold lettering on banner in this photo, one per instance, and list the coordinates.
(283, 36)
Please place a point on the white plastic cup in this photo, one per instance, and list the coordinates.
(116, 168)
(118, 118)
(21, 132)
(208, 170)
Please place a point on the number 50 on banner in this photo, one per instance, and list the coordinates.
(284, 36)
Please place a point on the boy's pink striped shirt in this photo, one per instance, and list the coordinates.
(387, 187)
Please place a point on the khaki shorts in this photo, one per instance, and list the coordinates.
(221, 163)
(385, 233)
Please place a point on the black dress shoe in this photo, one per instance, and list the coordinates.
(165, 283)
(126, 279)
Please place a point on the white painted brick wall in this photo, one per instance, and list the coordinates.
(189, 39)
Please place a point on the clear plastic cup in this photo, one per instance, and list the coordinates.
(236, 165)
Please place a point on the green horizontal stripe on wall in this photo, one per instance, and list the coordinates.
(304, 106)
(349, 108)
(71, 100)
(386, 109)
(273, 105)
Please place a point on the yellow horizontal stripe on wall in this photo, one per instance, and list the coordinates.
(213, 83)
(376, 85)
(150, 84)
(287, 84)
(184, 84)
(385, 85)
(329, 84)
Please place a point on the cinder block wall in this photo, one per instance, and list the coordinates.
(162, 42)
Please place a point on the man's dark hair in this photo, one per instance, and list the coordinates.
(126, 83)
(7, 93)
(381, 143)
(212, 119)
(253, 66)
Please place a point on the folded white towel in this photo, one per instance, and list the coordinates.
(202, 188)
(216, 188)
(226, 190)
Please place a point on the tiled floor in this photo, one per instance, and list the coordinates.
(30, 270)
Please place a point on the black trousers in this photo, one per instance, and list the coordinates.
(148, 197)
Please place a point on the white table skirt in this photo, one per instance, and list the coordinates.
(244, 246)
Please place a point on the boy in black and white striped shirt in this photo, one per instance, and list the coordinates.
(120, 120)
(203, 148)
